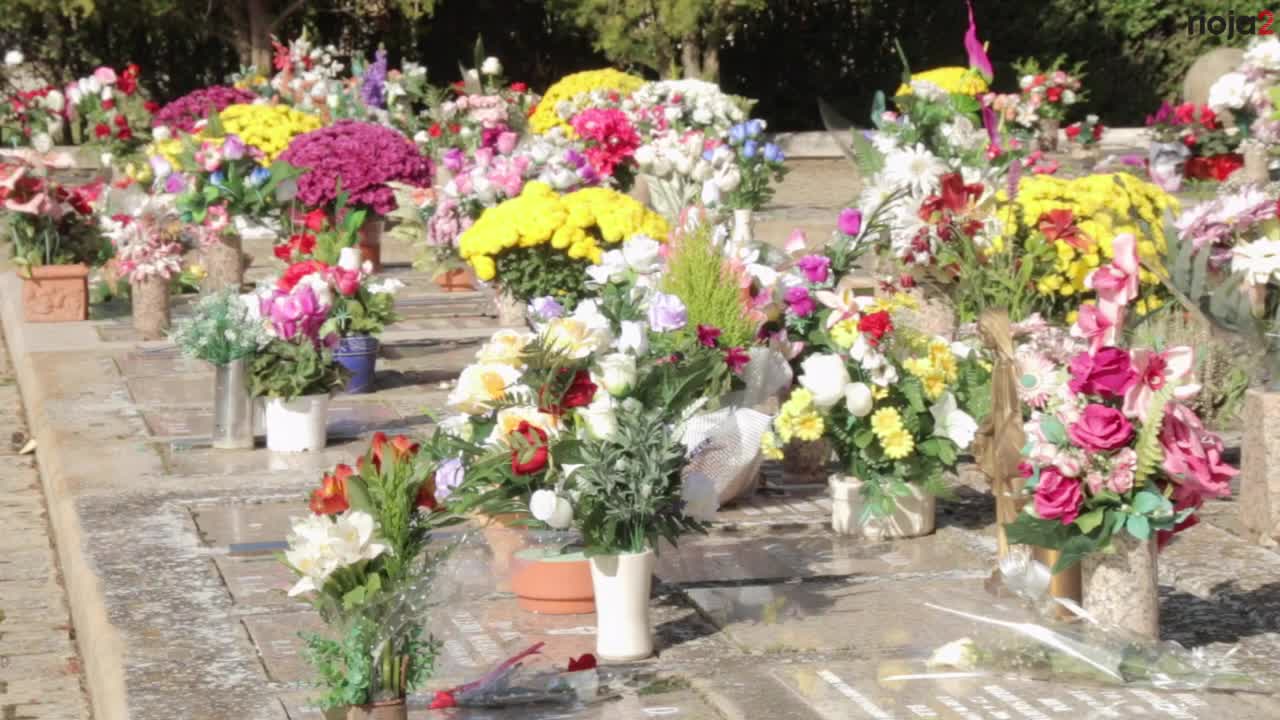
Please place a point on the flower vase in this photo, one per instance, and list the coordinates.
(1121, 589)
(150, 300)
(359, 355)
(551, 582)
(622, 584)
(232, 406)
(56, 293)
(743, 230)
(914, 514)
(370, 242)
(223, 264)
(1256, 163)
(383, 710)
(805, 463)
(1047, 136)
(297, 424)
(511, 312)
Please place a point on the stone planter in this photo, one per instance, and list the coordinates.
(232, 406)
(384, 710)
(914, 515)
(624, 632)
(805, 463)
(370, 242)
(298, 424)
(1047, 134)
(456, 281)
(223, 264)
(549, 582)
(56, 293)
(150, 300)
(1120, 588)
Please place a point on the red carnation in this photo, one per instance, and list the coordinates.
(151, 106)
(1053, 94)
(876, 325)
(121, 121)
(1073, 131)
(108, 104)
(528, 449)
(102, 130)
(315, 220)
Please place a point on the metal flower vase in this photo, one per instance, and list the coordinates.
(232, 406)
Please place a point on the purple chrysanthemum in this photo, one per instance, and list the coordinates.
(184, 112)
(360, 158)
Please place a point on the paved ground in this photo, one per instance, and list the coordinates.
(181, 610)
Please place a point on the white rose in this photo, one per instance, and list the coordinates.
(349, 259)
(641, 253)
(826, 377)
(857, 399)
(491, 66)
(599, 419)
(633, 338)
(13, 57)
(421, 137)
(55, 101)
(548, 507)
(617, 373)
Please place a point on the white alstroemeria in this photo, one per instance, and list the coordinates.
(866, 354)
(1258, 260)
(885, 375)
(633, 338)
(825, 376)
(548, 507)
(353, 538)
(616, 373)
(950, 422)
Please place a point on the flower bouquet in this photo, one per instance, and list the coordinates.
(296, 371)
(540, 243)
(28, 117)
(225, 331)
(1187, 132)
(55, 236)
(148, 250)
(107, 111)
(743, 168)
(574, 93)
(1084, 134)
(268, 128)
(1047, 93)
(306, 76)
(362, 558)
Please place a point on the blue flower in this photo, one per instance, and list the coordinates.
(259, 176)
(218, 179)
(737, 133)
(755, 127)
(707, 155)
(773, 153)
(749, 149)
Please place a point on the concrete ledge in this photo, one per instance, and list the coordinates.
(817, 145)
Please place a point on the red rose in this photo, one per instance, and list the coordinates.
(296, 272)
(581, 391)
(331, 497)
(876, 325)
(125, 134)
(528, 449)
(127, 83)
(519, 87)
(1072, 131)
(427, 494)
(151, 106)
(443, 700)
(284, 252)
(1189, 140)
(315, 220)
(1053, 94)
(435, 130)
(1097, 131)
(121, 121)
(108, 104)
(102, 130)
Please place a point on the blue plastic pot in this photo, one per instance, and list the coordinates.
(358, 354)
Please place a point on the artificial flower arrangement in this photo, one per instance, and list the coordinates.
(481, 108)
(610, 142)
(48, 222)
(356, 159)
(185, 113)
(540, 243)
(1112, 452)
(431, 221)
(148, 242)
(362, 559)
(1085, 133)
(744, 168)
(1050, 91)
(306, 76)
(109, 111)
(574, 93)
(269, 128)
(222, 329)
(298, 361)
(1211, 146)
(1249, 92)
(685, 105)
(30, 117)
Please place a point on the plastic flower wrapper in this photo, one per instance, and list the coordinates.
(1022, 632)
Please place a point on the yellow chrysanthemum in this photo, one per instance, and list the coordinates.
(769, 446)
(808, 426)
(955, 80)
(845, 333)
(572, 94)
(897, 444)
(269, 128)
(885, 421)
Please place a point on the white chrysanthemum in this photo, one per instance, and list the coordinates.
(915, 168)
(1264, 54)
(1231, 92)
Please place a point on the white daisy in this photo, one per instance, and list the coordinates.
(914, 168)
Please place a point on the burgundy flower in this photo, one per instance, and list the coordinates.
(183, 113)
(358, 158)
(736, 358)
(708, 336)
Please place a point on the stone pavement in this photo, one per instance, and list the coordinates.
(180, 608)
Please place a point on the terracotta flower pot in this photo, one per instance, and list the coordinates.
(551, 583)
(384, 710)
(370, 243)
(56, 293)
(455, 281)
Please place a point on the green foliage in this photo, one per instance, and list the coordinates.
(220, 330)
(289, 370)
(347, 666)
(1003, 280)
(365, 313)
(628, 492)
(541, 271)
(698, 274)
(1150, 453)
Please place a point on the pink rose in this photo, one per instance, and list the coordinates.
(1124, 466)
(1193, 455)
(1058, 497)
(1096, 482)
(105, 75)
(1101, 428)
(1108, 372)
(346, 281)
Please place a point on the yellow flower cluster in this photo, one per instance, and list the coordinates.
(936, 371)
(571, 88)
(270, 128)
(797, 419)
(955, 80)
(1103, 206)
(577, 223)
(894, 437)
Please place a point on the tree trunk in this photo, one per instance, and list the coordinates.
(711, 64)
(691, 56)
(260, 22)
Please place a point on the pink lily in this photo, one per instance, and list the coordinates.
(1116, 284)
(1093, 325)
(1155, 371)
(978, 59)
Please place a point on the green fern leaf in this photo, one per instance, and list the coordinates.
(1150, 454)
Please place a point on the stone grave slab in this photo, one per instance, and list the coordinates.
(677, 705)
(258, 581)
(790, 505)
(438, 305)
(880, 691)
(172, 390)
(275, 637)
(194, 457)
(225, 526)
(159, 361)
(347, 419)
(872, 615)
(729, 557)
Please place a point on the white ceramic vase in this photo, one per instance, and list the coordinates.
(297, 425)
(914, 514)
(622, 584)
(743, 232)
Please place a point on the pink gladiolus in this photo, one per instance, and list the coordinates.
(978, 59)
(1116, 284)
(1156, 370)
